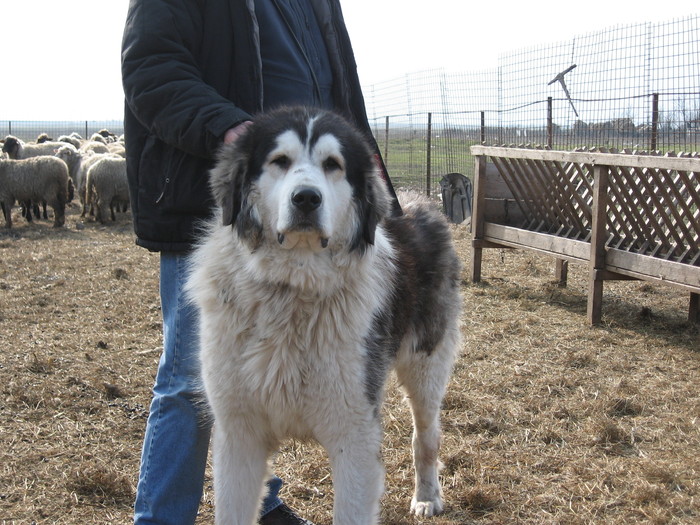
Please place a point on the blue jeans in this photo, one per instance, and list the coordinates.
(174, 455)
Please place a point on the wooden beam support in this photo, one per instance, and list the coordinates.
(561, 272)
(694, 308)
(597, 258)
(478, 216)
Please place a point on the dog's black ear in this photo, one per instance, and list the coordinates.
(369, 220)
(373, 208)
(226, 181)
(231, 200)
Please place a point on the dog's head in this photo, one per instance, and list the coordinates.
(302, 178)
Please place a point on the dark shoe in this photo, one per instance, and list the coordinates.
(283, 515)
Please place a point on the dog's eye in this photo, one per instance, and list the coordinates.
(282, 161)
(331, 164)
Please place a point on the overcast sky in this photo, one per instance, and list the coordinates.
(61, 59)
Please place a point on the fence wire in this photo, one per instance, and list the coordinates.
(29, 130)
(633, 87)
(629, 87)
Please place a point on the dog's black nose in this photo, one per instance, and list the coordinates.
(306, 199)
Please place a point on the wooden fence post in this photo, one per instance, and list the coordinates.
(561, 272)
(694, 308)
(598, 239)
(478, 219)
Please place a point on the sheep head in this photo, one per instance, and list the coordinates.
(12, 146)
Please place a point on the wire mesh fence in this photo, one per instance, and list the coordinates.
(628, 87)
(29, 130)
(634, 87)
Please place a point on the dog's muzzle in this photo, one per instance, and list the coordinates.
(305, 202)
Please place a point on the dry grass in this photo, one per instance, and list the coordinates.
(546, 420)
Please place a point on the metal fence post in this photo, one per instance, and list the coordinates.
(654, 121)
(386, 140)
(427, 155)
(483, 127)
(550, 125)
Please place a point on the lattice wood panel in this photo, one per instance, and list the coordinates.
(650, 211)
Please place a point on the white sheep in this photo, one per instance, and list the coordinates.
(35, 179)
(70, 139)
(108, 135)
(79, 161)
(94, 147)
(107, 186)
(98, 137)
(16, 149)
(117, 148)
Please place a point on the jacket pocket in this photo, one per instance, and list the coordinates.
(184, 185)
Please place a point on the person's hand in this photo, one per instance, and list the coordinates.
(232, 134)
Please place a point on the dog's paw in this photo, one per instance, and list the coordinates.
(425, 509)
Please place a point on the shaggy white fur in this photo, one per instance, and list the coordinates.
(301, 322)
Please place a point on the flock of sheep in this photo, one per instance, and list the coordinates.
(49, 172)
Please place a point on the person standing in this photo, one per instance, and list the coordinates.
(195, 73)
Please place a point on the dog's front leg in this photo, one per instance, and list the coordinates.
(358, 475)
(240, 469)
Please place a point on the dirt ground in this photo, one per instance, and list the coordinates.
(546, 420)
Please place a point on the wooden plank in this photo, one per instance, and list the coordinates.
(570, 249)
(488, 244)
(640, 266)
(605, 159)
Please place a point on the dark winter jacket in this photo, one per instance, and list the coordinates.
(191, 69)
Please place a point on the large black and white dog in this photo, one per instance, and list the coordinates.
(309, 295)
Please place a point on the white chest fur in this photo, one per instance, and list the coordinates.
(269, 347)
